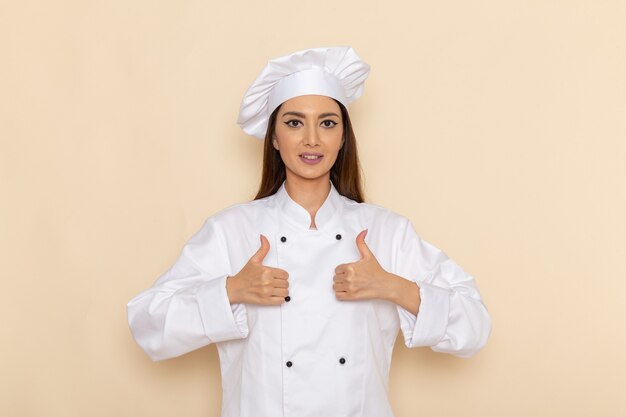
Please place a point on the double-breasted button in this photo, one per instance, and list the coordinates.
(342, 361)
(288, 298)
(289, 364)
(283, 239)
(338, 237)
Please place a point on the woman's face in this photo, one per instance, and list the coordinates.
(308, 135)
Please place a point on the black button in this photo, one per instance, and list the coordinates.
(288, 298)
(289, 364)
(338, 236)
(342, 361)
(283, 239)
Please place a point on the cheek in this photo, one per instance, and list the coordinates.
(333, 139)
(285, 146)
(285, 137)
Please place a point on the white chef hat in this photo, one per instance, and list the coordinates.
(336, 72)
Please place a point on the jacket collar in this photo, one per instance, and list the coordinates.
(300, 216)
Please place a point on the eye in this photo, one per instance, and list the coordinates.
(289, 123)
(332, 123)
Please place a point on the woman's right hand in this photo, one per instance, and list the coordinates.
(257, 283)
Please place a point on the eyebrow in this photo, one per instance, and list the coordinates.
(298, 114)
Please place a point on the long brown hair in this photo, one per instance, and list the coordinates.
(345, 173)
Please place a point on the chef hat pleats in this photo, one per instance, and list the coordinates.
(336, 72)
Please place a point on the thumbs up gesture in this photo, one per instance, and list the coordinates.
(257, 283)
(363, 279)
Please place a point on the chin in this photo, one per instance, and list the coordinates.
(310, 175)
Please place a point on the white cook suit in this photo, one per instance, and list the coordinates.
(314, 355)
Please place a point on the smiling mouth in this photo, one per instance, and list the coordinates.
(311, 156)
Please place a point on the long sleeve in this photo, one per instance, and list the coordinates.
(452, 317)
(187, 307)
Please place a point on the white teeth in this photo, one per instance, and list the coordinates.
(310, 156)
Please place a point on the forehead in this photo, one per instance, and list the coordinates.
(310, 104)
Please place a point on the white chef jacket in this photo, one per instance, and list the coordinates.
(313, 355)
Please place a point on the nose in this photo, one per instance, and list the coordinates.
(311, 137)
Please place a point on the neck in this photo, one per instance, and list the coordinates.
(308, 193)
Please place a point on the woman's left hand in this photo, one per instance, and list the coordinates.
(365, 278)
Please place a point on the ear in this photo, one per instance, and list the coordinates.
(275, 143)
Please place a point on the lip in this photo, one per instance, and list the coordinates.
(311, 161)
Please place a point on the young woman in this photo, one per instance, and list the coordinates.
(305, 288)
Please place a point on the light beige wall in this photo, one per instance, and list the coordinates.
(498, 127)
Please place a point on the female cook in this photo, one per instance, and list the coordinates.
(305, 288)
